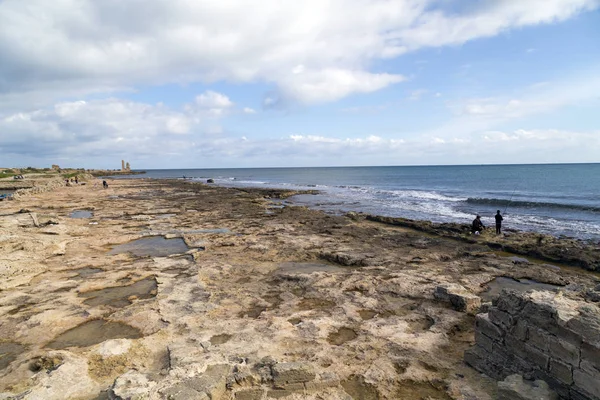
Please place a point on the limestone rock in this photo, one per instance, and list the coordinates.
(286, 374)
(67, 381)
(212, 382)
(515, 388)
(459, 297)
(114, 347)
(181, 391)
(250, 394)
(132, 385)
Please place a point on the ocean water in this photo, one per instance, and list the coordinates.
(556, 199)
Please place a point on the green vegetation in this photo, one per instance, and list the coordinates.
(70, 175)
(31, 170)
(5, 175)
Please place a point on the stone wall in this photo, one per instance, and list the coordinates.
(541, 335)
(48, 186)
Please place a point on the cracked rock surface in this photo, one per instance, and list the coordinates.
(230, 297)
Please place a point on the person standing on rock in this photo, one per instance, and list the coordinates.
(104, 185)
(477, 226)
(498, 222)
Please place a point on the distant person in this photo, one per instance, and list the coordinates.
(104, 185)
(498, 222)
(76, 181)
(477, 226)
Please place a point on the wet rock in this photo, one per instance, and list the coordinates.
(346, 259)
(519, 260)
(355, 216)
(515, 388)
(593, 296)
(459, 297)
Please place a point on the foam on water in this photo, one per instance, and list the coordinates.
(557, 199)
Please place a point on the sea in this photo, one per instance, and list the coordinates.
(555, 199)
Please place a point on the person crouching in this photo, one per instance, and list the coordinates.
(477, 226)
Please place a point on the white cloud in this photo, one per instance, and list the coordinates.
(88, 129)
(248, 110)
(95, 132)
(332, 84)
(210, 99)
(56, 49)
(434, 28)
(210, 103)
(539, 98)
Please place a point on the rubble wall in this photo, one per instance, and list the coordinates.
(48, 186)
(541, 335)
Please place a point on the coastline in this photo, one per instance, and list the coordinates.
(350, 298)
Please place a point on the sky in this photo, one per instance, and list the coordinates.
(282, 83)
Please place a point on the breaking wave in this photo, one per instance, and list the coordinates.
(531, 204)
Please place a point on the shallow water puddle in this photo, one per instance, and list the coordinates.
(312, 303)
(496, 286)
(306, 268)
(253, 312)
(220, 339)
(216, 230)
(9, 352)
(397, 306)
(94, 332)
(342, 336)
(358, 389)
(421, 391)
(122, 296)
(152, 246)
(86, 272)
(81, 214)
(420, 323)
(367, 314)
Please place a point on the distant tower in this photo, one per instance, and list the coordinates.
(122, 165)
(127, 167)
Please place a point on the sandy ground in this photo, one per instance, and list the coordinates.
(230, 277)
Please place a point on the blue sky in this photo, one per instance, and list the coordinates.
(322, 83)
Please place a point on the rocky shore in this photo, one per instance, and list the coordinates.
(170, 289)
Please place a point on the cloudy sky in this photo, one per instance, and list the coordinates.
(275, 83)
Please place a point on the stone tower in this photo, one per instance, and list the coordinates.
(122, 165)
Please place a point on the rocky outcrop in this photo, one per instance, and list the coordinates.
(544, 247)
(515, 388)
(290, 304)
(544, 336)
(459, 297)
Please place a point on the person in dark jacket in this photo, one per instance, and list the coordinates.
(477, 226)
(498, 222)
